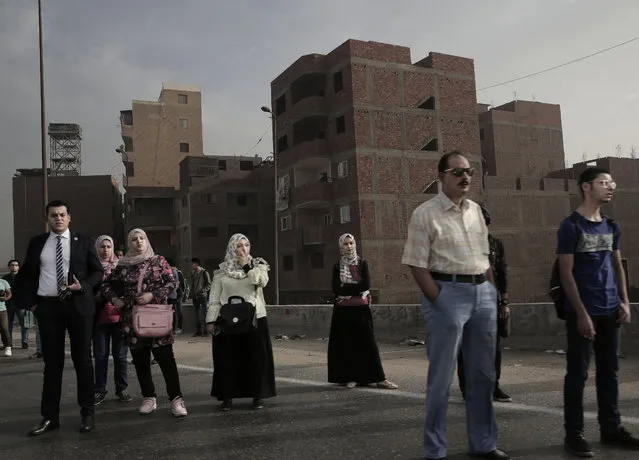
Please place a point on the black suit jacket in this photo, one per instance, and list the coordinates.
(84, 265)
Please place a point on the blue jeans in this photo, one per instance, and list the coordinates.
(19, 314)
(101, 336)
(462, 315)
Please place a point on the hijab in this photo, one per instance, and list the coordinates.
(231, 266)
(109, 263)
(133, 256)
(347, 261)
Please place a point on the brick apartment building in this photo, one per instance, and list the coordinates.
(95, 202)
(157, 135)
(360, 131)
(521, 139)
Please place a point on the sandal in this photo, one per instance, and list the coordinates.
(387, 385)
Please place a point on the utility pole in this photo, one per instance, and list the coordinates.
(43, 135)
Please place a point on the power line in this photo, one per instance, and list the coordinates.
(258, 141)
(583, 58)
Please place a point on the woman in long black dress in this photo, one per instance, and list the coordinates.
(353, 356)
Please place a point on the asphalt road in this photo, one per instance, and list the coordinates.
(309, 419)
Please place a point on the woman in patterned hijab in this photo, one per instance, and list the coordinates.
(353, 356)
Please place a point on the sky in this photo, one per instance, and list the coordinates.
(99, 55)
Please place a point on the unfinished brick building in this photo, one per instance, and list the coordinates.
(360, 131)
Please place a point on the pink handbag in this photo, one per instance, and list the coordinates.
(151, 321)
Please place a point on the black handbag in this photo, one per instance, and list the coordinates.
(237, 317)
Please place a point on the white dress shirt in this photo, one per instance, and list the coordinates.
(48, 286)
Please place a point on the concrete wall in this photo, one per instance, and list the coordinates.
(534, 325)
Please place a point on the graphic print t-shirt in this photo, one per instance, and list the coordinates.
(593, 268)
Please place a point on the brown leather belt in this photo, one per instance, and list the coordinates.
(471, 279)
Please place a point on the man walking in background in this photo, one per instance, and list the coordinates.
(14, 312)
(200, 287)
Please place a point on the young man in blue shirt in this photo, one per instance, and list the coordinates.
(593, 280)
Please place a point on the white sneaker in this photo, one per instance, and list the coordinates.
(7, 352)
(148, 405)
(177, 407)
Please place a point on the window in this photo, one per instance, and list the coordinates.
(286, 223)
(221, 165)
(345, 214)
(208, 232)
(246, 165)
(328, 220)
(184, 147)
(317, 260)
(184, 123)
(129, 169)
(481, 134)
(183, 99)
(340, 125)
(128, 143)
(210, 198)
(338, 82)
(282, 143)
(242, 200)
(185, 201)
(342, 169)
(287, 263)
(280, 105)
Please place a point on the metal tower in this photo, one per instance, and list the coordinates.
(64, 149)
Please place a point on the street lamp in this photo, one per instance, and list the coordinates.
(275, 193)
(43, 136)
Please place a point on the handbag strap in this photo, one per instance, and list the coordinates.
(141, 278)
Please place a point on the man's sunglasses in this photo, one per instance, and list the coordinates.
(458, 172)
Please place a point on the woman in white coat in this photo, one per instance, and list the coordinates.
(243, 364)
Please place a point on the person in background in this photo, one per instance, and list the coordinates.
(499, 267)
(175, 298)
(242, 364)
(200, 287)
(5, 295)
(353, 355)
(141, 263)
(108, 331)
(12, 310)
(119, 253)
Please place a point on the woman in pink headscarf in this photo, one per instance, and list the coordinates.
(108, 333)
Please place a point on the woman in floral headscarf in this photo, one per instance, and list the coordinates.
(108, 332)
(353, 356)
(157, 282)
(242, 364)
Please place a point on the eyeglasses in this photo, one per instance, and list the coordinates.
(458, 172)
(611, 184)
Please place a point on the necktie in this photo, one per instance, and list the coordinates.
(59, 268)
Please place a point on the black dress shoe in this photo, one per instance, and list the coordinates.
(44, 427)
(494, 455)
(87, 424)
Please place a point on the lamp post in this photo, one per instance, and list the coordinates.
(43, 136)
(275, 187)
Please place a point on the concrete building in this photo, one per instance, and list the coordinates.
(360, 131)
(211, 211)
(521, 139)
(95, 202)
(158, 134)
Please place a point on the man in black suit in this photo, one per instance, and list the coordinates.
(56, 282)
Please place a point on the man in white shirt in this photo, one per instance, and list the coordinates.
(56, 282)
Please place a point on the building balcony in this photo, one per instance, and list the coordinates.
(302, 152)
(313, 195)
(313, 235)
(314, 104)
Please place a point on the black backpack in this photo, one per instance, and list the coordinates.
(556, 291)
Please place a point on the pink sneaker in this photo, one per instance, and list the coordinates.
(148, 405)
(177, 407)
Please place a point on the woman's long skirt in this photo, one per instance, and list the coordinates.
(243, 365)
(353, 355)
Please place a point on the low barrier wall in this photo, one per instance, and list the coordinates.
(533, 325)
